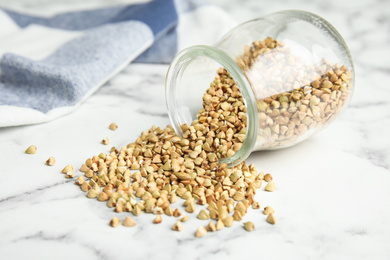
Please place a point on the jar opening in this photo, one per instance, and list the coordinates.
(188, 77)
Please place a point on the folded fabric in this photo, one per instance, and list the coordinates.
(49, 65)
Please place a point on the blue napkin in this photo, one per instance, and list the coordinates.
(49, 65)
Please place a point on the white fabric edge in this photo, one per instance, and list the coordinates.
(7, 24)
(188, 29)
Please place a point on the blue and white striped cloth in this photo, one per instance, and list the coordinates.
(49, 65)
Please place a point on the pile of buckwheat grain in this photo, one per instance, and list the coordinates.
(149, 175)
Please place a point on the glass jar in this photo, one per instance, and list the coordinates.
(293, 69)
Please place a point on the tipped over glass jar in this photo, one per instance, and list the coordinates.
(294, 71)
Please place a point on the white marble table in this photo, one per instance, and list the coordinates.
(333, 191)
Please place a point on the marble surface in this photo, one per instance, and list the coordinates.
(333, 191)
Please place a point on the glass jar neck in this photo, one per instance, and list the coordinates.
(173, 85)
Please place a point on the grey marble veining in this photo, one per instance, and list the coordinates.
(333, 190)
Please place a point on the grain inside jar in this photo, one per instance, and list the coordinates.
(295, 95)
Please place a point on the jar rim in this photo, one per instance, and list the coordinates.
(182, 59)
